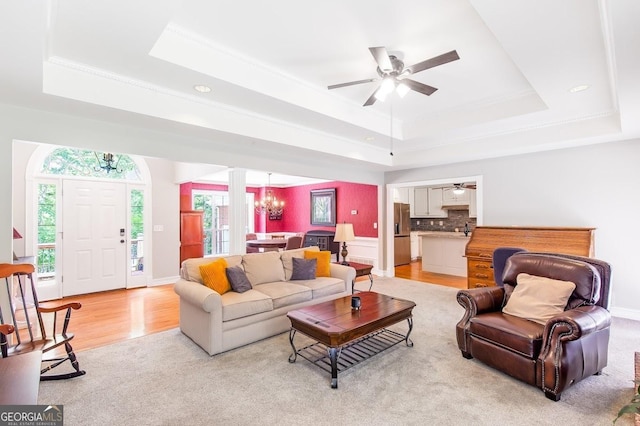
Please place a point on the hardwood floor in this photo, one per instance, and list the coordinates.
(413, 271)
(113, 316)
(118, 315)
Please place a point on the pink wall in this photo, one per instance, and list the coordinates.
(297, 209)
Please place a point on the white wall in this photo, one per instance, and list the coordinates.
(593, 186)
(166, 213)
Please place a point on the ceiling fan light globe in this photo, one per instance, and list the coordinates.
(402, 89)
(380, 95)
(387, 85)
(458, 191)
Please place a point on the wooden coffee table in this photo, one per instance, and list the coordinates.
(346, 336)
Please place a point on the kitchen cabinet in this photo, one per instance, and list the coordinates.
(416, 245)
(449, 198)
(401, 195)
(473, 205)
(427, 202)
(420, 202)
(444, 253)
(435, 203)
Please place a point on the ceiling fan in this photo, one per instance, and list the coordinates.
(458, 188)
(394, 74)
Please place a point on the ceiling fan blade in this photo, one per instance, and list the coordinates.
(372, 99)
(419, 87)
(434, 62)
(382, 58)
(351, 83)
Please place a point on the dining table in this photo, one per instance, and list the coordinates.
(268, 243)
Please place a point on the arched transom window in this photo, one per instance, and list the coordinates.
(79, 162)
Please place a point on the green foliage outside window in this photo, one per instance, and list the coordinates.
(46, 228)
(79, 162)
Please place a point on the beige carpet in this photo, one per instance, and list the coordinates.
(165, 379)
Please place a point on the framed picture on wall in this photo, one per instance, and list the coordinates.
(323, 207)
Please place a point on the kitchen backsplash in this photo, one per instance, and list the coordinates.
(456, 219)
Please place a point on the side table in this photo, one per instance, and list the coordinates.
(361, 271)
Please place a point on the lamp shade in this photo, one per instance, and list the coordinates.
(344, 232)
(16, 234)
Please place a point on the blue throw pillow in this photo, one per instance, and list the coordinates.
(304, 269)
(238, 279)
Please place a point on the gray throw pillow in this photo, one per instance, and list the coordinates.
(238, 280)
(304, 269)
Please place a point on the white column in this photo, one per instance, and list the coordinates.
(237, 211)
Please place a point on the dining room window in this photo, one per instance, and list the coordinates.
(215, 223)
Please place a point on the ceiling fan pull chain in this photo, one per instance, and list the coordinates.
(391, 127)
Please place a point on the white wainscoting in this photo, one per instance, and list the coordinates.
(364, 250)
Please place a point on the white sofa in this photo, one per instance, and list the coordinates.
(218, 323)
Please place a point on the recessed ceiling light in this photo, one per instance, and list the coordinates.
(369, 138)
(202, 88)
(579, 88)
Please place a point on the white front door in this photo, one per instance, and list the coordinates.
(94, 236)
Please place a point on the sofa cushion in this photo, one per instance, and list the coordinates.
(285, 293)
(538, 298)
(324, 260)
(214, 276)
(304, 269)
(191, 267)
(287, 256)
(238, 279)
(239, 305)
(323, 286)
(263, 267)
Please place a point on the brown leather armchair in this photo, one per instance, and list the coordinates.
(553, 356)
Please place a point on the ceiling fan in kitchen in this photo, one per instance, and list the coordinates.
(394, 75)
(458, 188)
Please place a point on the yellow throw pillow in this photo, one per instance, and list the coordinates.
(324, 260)
(214, 276)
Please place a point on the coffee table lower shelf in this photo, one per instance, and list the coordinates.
(350, 354)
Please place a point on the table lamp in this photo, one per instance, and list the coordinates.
(344, 233)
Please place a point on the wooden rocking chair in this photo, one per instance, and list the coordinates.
(24, 337)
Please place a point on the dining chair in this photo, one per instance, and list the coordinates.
(294, 242)
(249, 237)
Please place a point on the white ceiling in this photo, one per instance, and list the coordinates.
(269, 65)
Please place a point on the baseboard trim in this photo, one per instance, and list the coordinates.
(163, 281)
(631, 314)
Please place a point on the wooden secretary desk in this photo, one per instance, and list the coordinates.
(485, 239)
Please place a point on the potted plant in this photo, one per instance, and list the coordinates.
(633, 407)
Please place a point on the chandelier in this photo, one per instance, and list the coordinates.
(107, 162)
(269, 203)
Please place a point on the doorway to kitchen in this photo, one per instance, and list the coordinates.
(446, 217)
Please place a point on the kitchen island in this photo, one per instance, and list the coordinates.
(444, 252)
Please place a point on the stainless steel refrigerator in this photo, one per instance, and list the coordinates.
(402, 234)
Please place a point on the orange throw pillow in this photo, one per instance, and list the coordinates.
(214, 276)
(324, 260)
